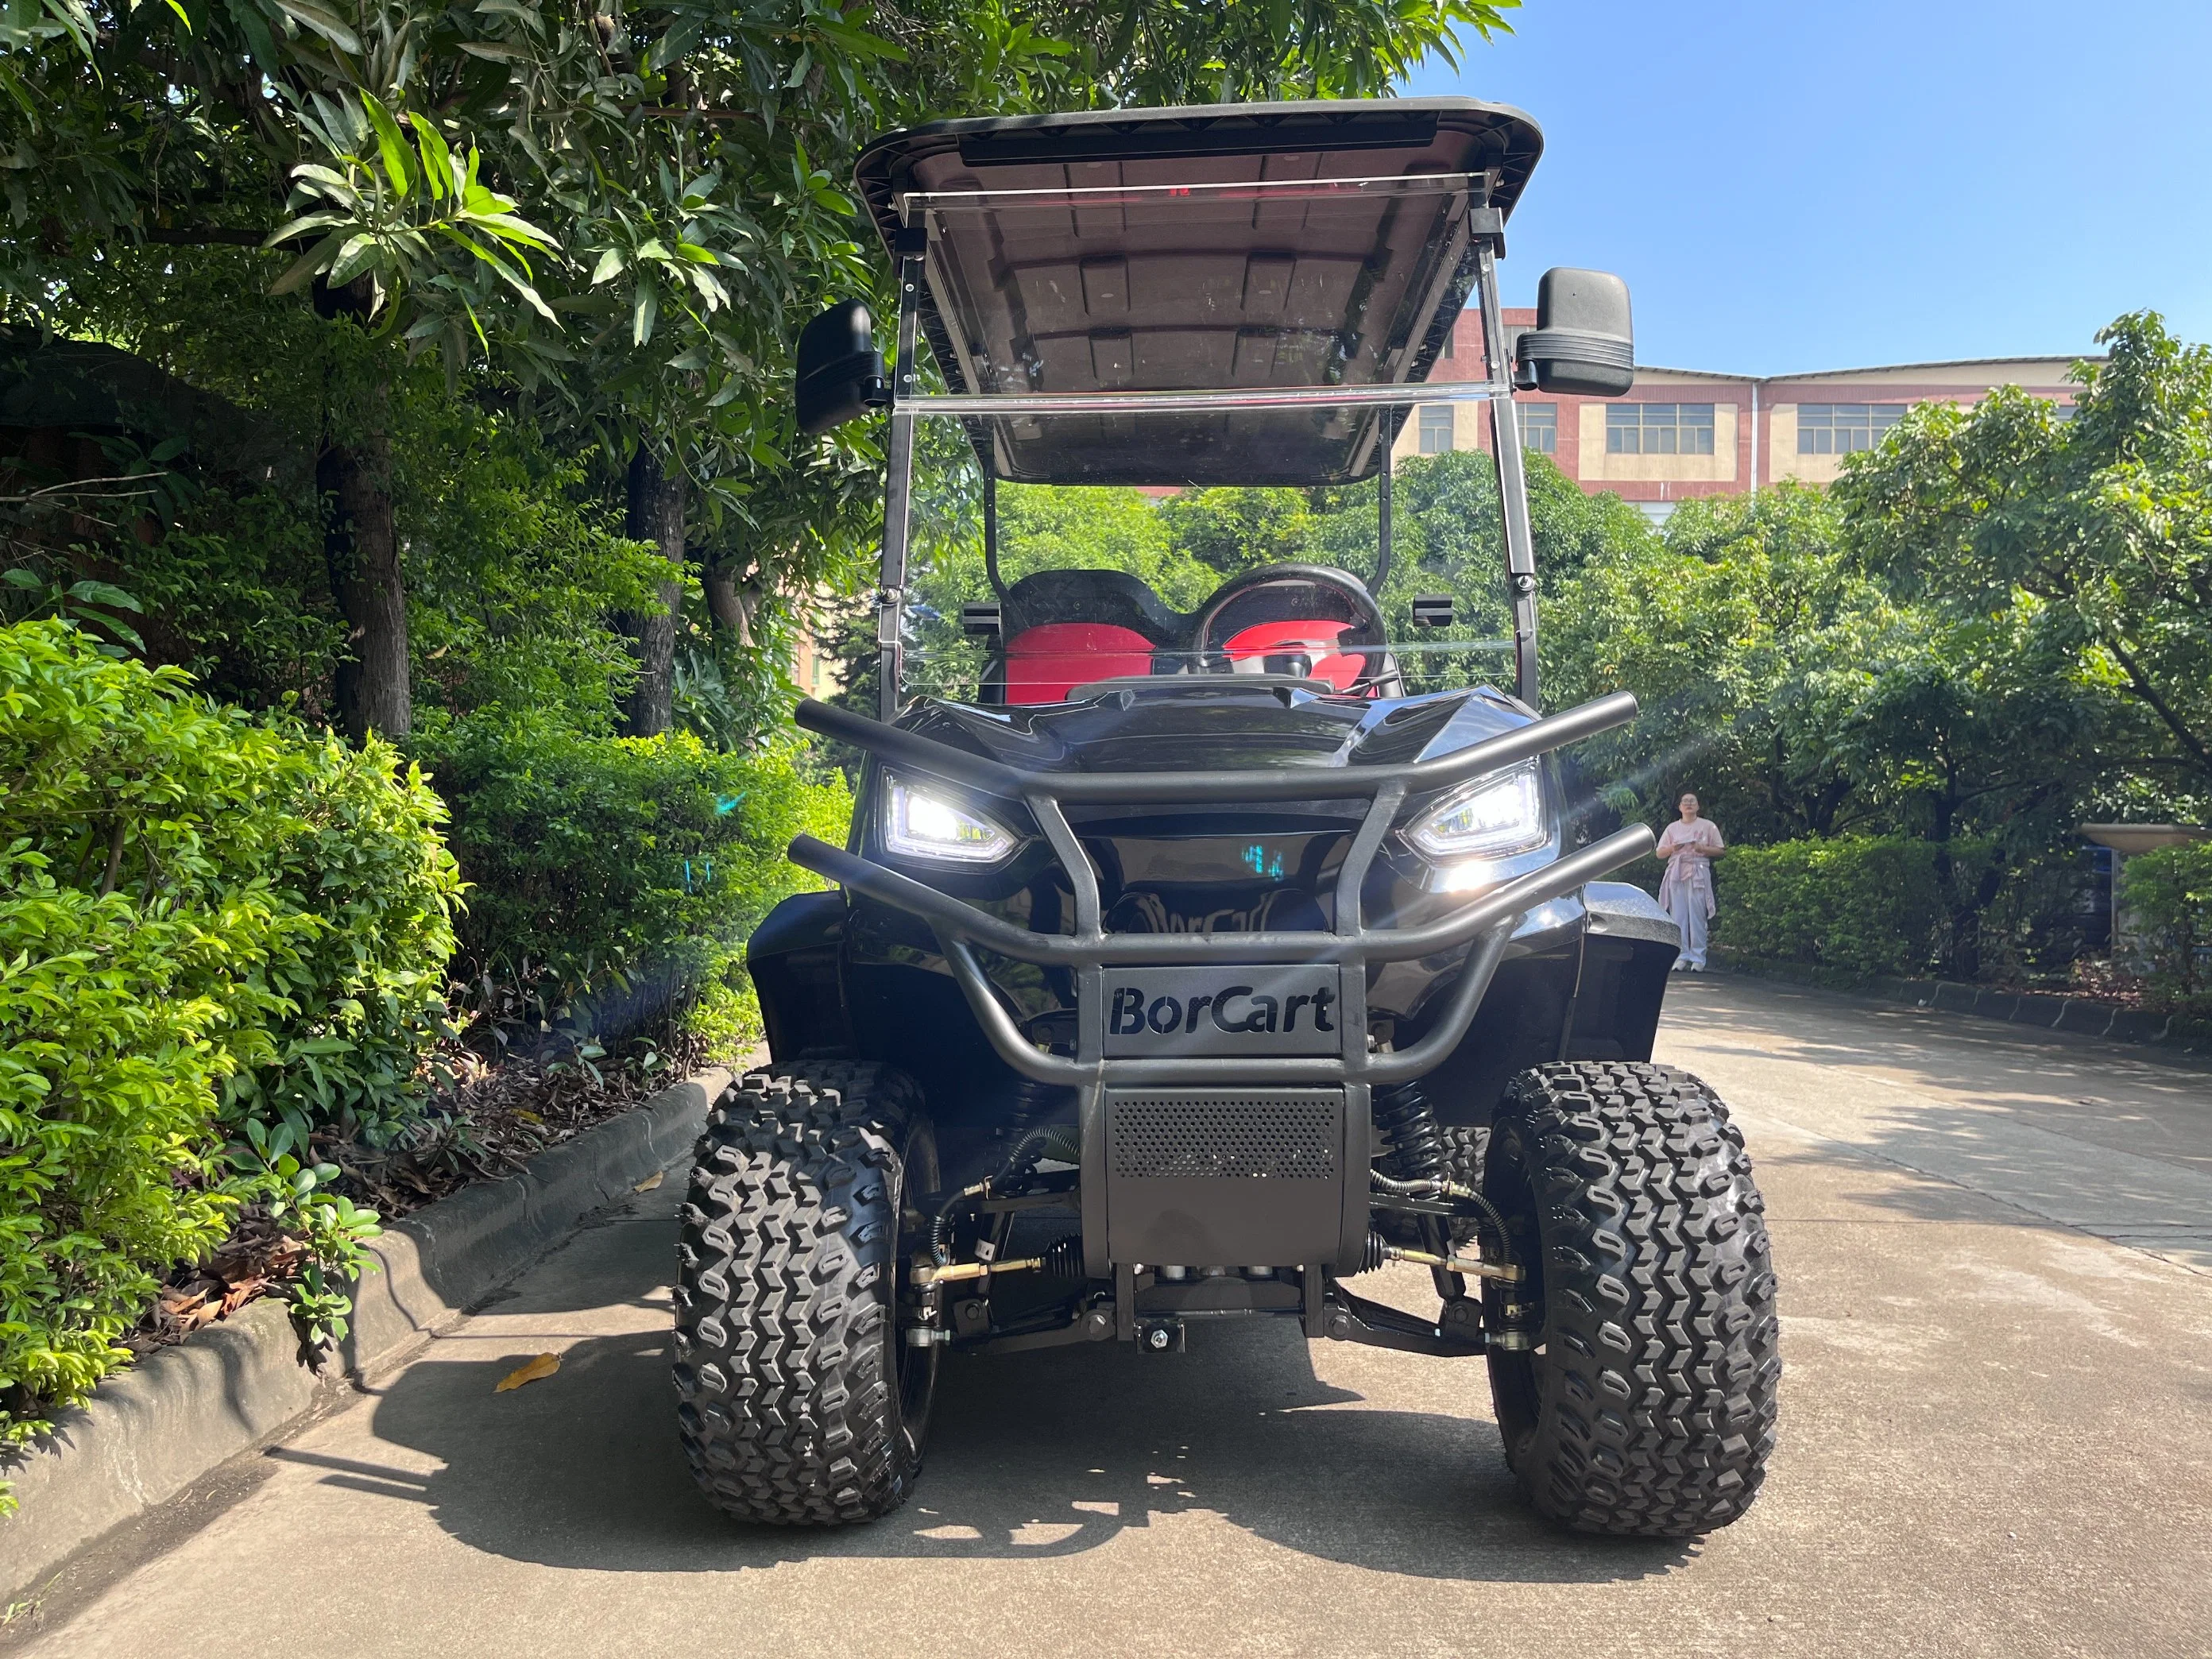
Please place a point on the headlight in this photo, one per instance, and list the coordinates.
(919, 824)
(1493, 817)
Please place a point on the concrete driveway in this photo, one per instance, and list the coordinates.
(1995, 1254)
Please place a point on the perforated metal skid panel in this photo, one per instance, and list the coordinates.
(1225, 1137)
(1207, 1178)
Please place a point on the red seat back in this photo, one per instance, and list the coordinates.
(1316, 640)
(1045, 663)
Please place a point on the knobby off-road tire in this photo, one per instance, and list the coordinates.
(1465, 1147)
(1647, 1405)
(799, 1405)
(1464, 1150)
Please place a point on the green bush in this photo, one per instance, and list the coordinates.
(613, 881)
(2170, 893)
(1863, 904)
(203, 915)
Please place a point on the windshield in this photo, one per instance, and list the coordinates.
(1112, 583)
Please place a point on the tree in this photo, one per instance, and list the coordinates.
(1719, 626)
(1969, 735)
(2104, 520)
(622, 215)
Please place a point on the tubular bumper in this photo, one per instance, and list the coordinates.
(1486, 923)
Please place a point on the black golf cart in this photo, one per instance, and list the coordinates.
(1192, 963)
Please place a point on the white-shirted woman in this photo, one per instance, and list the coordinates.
(1690, 845)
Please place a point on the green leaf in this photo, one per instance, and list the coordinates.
(508, 228)
(644, 308)
(608, 267)
(496, 52)
(299, 226)
(259, 39)
(858, 42)
(359, 253)
(104, 593)
(392, 146)
(115, 625)
(437, 158)
(314, 259)
(313, 15)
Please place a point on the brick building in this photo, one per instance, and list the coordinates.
(1683, 432)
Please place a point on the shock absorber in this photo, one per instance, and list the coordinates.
(1408, 1122)
(1036, 1103)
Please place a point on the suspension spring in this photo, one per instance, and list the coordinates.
(1408, 1122)
(1035, 1103)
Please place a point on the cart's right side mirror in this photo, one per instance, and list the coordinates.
(841, 372)
(1583, 343)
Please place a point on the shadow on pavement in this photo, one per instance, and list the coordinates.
(1040, 1456)
(2029, 1120)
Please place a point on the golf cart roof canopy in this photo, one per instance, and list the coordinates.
(1206, 249)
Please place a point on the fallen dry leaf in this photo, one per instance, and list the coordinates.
(651, 1181)
(545, 1366)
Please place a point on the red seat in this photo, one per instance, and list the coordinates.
(1316, 640)
(1045, 663)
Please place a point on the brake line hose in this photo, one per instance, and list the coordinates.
(1057, 1142)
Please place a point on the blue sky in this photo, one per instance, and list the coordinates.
(1796, 186)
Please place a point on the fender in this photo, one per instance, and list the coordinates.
(794, 959)
(1627, 953)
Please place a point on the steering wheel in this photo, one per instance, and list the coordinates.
(1366, 615)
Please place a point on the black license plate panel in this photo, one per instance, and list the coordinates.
(1179, 1013)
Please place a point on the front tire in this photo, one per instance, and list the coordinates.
(1646, 1404)
(799, 1404)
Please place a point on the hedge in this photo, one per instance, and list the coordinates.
(613, 881)
(209, 923)
(2169, 892)
(1866, 905)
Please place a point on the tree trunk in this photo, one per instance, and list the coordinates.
(654, 513)
(362, 549)
(726, 602)
(361, 544)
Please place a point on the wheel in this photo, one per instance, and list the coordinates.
(798, 1403)
(1464, 1150)
(1646, 1404)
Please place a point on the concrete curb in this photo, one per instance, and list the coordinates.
(150, 1432)
(2083, 1016)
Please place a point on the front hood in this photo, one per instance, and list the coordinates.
(1218, 726)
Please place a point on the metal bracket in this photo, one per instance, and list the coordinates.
(1350, 1318)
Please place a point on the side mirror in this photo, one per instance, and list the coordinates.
(1583, 342)
(841, 372)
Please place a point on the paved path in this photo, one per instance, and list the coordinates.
(1996, 1263)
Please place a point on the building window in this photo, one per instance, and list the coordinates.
(1841, 429)
(1539, 427)
(1436, 428)
(1659, 429)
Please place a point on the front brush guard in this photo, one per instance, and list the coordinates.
(1486, 922)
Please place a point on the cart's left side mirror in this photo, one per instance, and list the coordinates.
(841, 372)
